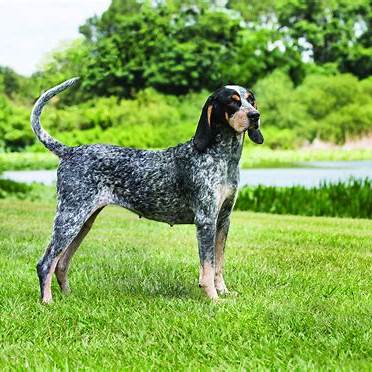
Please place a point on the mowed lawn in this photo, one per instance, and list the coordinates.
(304, 299)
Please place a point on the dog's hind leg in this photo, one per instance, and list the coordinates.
(68, 223)
(63, 264)
(206, 235)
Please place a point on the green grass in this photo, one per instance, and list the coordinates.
(253, 157)
(263, 157)
(27, 160)
(304, 283)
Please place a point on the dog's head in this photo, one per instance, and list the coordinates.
(232, 106)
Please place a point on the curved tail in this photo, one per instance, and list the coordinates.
(45, 138)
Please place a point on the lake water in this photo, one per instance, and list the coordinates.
(309, 174)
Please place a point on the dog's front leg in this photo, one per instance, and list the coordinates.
(223, 224)
(206, 235)
(221, 235)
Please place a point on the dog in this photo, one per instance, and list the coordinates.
(192, 183)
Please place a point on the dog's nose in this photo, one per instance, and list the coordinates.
(253, 115)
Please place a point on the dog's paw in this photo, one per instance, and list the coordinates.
(222, 290)
(220, 285)
(210, 292)
(46, 300)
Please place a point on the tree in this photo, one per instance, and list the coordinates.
(174, 52)
(61, 64)
(9, 81)
(330, 31)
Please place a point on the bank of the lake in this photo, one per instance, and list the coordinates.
(350, 198)
(253, 157)
(311, 174)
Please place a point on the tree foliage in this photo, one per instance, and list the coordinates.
(178, 47)
(337, 31)
(333, 108)
(172, 52)
(143, 64)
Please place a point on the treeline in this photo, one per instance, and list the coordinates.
(147, 67)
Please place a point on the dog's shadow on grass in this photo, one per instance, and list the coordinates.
(147, 280)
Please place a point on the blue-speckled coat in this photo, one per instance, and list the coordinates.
(195, 182)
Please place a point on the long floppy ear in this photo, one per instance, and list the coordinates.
(256, 136)
(206, 129)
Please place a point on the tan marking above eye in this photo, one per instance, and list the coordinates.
(235, 97)
(209, 113)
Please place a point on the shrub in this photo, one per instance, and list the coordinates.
(23, 191)
(333, 108)
(343, 199)
(152, 120)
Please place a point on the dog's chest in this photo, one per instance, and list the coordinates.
(225, 192)
(228, 187)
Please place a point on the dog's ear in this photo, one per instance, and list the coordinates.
(256, 136)
(206, 129)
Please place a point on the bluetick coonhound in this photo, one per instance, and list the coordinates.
(192, 183)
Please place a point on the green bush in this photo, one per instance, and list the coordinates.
(152, 120)
(17, 190)
(343, 199)
(340, 106)
(15, 133)
(281, 138)
(334, 108)
(11, 188)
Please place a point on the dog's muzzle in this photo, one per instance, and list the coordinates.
(253, 119)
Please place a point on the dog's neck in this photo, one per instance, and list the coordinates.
(228, 144)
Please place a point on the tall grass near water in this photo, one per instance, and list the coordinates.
(343, 199)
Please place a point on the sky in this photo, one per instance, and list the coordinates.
(29, 29)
